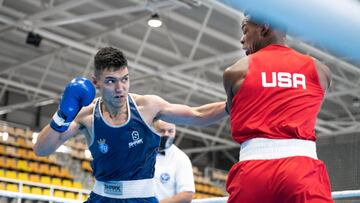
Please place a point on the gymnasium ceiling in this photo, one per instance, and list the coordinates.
(182, 61)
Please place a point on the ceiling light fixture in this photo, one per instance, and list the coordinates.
(154, 21)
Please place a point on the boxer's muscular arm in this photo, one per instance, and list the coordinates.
(324, 74)
(50, 140)
(233, 78)
(78, 93)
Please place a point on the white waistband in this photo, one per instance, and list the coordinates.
(125, 189)
(264, 149)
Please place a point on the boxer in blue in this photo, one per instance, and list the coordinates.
(117, 129)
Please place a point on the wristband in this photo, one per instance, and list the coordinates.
(58, 122)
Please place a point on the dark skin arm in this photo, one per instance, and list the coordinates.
(324, 74)
(233, 78)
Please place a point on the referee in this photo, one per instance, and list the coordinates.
(173, 169)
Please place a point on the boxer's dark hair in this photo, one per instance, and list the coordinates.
(262, 20)
(109, 58)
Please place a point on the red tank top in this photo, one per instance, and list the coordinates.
(280, 96)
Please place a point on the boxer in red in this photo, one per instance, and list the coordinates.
(274, 95)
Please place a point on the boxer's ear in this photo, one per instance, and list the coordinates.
(265, 28)
(94, 81)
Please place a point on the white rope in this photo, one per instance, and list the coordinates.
(18, 195)
(345, 194)
(211, 200)
(336, 195)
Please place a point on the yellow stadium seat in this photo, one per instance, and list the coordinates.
(54, 170)
(2, 173)
(31, 155)
(86, 166)
(23, 176)
(12, 187)
(2, 161)
(85, 196)
(11, 140)
(10, 163)
(34, 166)
(22, 165)
(56, 181)
(36, 191)
(70, 195)
(34, 178)
(21, 142)
(47, 160)
(206, 188)
(2, 149)
(29, 144)
(10, 174)
(46, 192)
(67, 183)
(219, 192)
(65, 173)
(214, 190)
(22, 153)
(45, 180)
(26, 189)
(44, 169)
(82, 197)
(11, 151)
(199, 187)
(59, 193)
(2, 186)
(42, 159)
(77, 184)
(19, 132)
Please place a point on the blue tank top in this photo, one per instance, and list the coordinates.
(125, 152)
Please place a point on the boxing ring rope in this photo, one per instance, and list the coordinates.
(336, 195)
(22, 196)
(211, 200)
(345, 194)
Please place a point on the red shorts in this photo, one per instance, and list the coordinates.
(286, 180)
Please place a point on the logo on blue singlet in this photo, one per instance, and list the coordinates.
(103, 147)
(164, 178)
(136, 139)
(135, 135)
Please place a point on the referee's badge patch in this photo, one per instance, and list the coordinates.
(164, 178)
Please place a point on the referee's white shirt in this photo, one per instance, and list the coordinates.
(173, 173)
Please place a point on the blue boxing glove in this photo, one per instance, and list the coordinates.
(78, 93)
